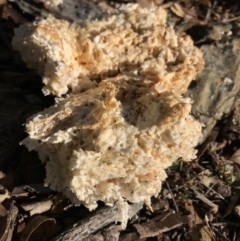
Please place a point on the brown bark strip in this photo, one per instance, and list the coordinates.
(161, 223)
(98, 220)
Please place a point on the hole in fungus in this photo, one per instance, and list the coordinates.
(81, 142)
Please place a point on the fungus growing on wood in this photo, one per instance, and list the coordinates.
(125, 120)
(133, 41)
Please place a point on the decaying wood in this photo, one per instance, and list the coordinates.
(112, 233)
(38, 227)
(216, 88)
(94, 237)
(12, 215)
(161, 223)
(96, 221)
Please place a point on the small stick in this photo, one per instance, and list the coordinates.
(226, 224)
(174, 201)
(205, 200)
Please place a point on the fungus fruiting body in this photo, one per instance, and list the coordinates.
(124, 120)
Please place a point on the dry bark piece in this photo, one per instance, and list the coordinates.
(94, 237)
(217, 86)
(112, 233)
(160, 224)
(99, 219)
(130, 237)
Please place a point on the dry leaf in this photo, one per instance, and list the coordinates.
(205, 234)
(207, 179)
(37, 207)
(231, 206)
(189, 207)
(236, 157)
(38, 228)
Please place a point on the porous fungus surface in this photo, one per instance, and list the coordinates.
(126, 120)
(135, 40)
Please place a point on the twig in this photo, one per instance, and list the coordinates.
(226, 224)
(210, 10)
(211, 189)
(230, 19)
(221, 235)
(205, 200)
(212, 234)
(174, 201)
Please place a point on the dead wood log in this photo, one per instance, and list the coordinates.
(93, 223)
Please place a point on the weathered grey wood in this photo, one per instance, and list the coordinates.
(96, 221)
(217, 86)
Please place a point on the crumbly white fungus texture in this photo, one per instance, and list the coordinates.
(124, 120)
(112, 143)
(136, 40)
